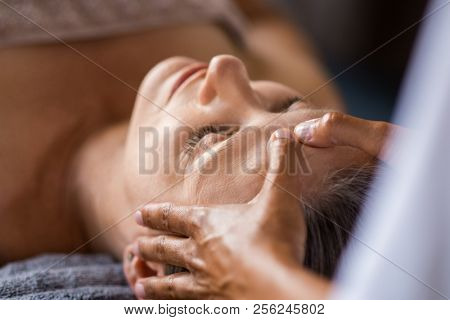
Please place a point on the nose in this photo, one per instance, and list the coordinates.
(227, 79)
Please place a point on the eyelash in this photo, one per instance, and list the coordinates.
(198, 134)
(284, 105)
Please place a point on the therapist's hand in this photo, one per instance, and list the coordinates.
(250, 250)
(338, 129)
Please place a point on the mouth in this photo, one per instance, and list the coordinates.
(186, 74)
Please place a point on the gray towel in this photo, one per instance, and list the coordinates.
(80, 276)
(24, 21)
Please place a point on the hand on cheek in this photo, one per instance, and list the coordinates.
(219, 245)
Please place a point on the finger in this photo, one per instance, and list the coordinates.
(135, 267)
(282, 181)
(128, 265)
(167, 217)
(167, 249)
(175, 286)
(338, 129)
(281, 211)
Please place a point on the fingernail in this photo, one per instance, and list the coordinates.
(282, 134)
(138, 218)
(139, 290)
(304, 130)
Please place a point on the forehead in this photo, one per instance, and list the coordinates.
(323, 161)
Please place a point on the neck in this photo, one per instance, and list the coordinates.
(98, 192)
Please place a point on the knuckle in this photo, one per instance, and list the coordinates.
(151, 289)
(160, 247)
(170, 286)
(330, 120)
(166, 209)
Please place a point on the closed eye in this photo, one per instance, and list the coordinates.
(284, 105)
(197, 135)
(228, 130)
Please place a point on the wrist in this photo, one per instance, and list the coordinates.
(283, 279)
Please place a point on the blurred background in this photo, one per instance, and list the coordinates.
(344, 31)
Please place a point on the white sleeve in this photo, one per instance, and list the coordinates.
(401, 248)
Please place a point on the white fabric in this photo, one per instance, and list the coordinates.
(401, 249)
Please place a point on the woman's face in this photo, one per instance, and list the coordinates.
(199, 132)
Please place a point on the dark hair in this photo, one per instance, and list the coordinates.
(331, 215)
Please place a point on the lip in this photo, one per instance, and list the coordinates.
(185, 74)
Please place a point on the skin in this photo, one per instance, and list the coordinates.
(64, 123)
(53, 100)
(219, 245)
(221, 93)
(338, 129)
(71, 168)
(220, 253)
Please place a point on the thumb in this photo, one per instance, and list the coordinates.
(338, 129)
(282, 183)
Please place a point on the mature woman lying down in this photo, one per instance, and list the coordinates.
(75, 167)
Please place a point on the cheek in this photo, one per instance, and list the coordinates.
(227, 189)
(242, 173)
(150, 165)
